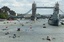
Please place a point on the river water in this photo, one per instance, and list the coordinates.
(30, 31)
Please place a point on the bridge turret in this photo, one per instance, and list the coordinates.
(33, 11)
(57, 7)
(56, 11)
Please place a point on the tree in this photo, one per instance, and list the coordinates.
(5, 8)
(12, 12)
(3, 15)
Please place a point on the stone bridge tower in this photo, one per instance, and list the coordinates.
(33, 11)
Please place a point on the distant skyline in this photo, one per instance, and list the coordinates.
(22, 6)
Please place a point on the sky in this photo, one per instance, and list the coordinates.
(23, 6)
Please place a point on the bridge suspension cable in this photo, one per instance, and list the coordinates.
(61, 11)
(28, 11)
(25, 14)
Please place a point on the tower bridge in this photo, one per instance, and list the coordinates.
(34, 8)
(54, 19)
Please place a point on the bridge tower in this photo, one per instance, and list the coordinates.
(33, 17)
(54, 19)
(56, 11)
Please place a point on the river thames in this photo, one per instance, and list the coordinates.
(30, 31)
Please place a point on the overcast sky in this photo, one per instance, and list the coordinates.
(22, 6)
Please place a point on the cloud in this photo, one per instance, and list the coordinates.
(1, 0)
(6, 4)
(22, 6)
